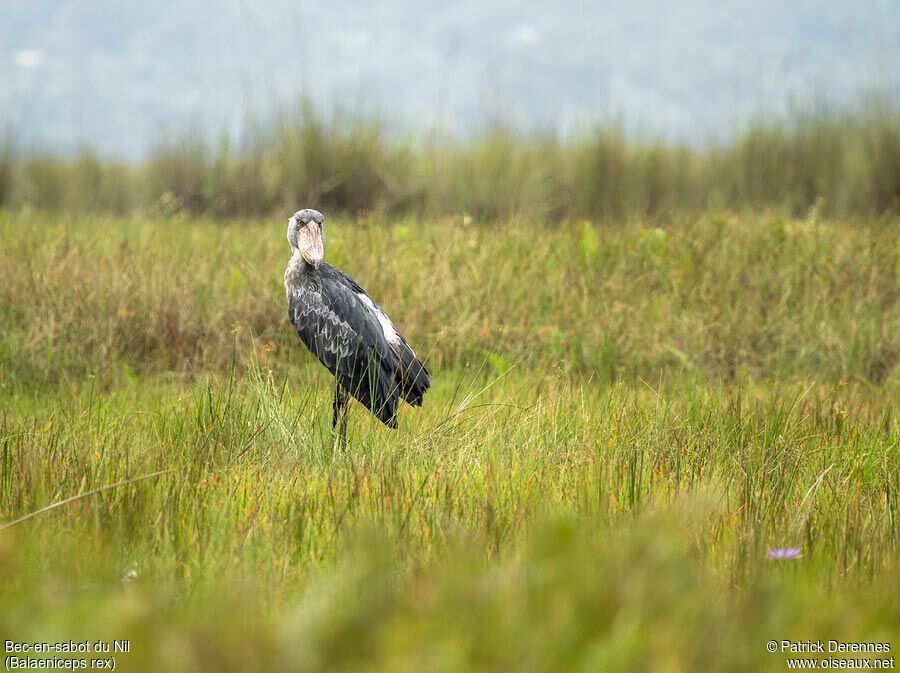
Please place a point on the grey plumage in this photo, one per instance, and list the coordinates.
(347, 331)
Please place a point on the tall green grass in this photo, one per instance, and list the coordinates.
(715, 298)
(840, 162)
(517, 523)
(624, 421)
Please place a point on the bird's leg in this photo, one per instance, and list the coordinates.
(339, 417)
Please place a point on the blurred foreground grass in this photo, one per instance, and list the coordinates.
(624, 422)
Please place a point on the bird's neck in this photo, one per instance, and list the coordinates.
(298, 264)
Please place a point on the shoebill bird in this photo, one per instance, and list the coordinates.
(349, 333)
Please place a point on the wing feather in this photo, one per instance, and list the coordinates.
(348, 340)
(411, 376)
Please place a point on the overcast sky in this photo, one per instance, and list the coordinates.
(117, 76)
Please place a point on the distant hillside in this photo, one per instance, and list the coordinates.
(117, 76)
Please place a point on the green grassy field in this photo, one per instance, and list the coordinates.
(625, 420)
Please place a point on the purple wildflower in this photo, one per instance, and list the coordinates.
(783, 553)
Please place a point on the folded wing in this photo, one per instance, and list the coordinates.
(355, 340)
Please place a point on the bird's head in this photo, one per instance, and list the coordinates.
(305, 234)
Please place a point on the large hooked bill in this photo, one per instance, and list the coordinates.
(311, 243)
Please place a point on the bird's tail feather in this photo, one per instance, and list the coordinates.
(372, 386)
(413, 379)
(379, 387)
